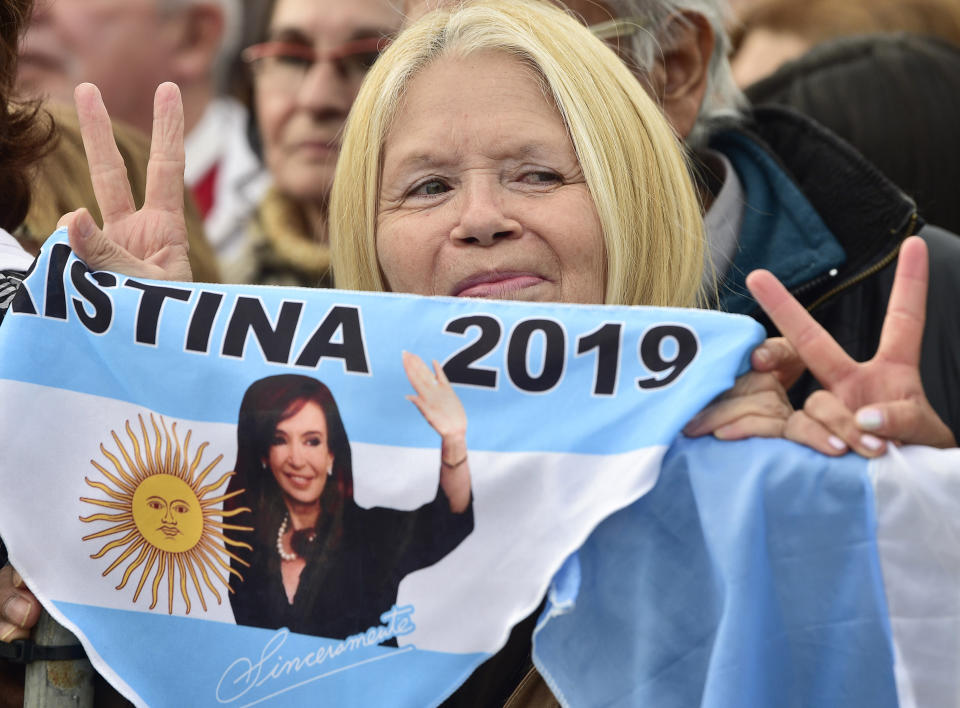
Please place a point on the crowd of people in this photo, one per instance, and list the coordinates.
(592, 152)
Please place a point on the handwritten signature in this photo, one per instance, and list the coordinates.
(245, 674)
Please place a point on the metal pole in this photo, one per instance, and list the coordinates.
(57, 684)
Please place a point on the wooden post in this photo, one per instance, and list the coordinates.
(57, 684)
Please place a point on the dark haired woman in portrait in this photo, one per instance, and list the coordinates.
(320, 564)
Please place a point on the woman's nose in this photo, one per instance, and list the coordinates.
(296, 455)
(483, 219)
(325, 90)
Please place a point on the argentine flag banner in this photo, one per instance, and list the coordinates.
(238, 496)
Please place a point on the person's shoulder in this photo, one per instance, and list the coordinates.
(940, 238)
(944, 249)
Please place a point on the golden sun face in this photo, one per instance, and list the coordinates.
(166, 514)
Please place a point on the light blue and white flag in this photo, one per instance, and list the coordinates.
(713, 574)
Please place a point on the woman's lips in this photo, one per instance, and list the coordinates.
(496, 285)
(317, 148)
(297, 480)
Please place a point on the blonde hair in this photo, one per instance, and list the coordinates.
(631, 160)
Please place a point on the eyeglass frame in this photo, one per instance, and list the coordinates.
(263, 50)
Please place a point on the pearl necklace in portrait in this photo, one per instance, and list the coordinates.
(283, 529)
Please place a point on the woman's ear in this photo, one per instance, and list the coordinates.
(200, 35)
(679, 77)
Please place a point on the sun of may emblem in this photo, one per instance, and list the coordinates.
(166, 515)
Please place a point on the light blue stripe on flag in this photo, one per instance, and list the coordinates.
(749, 577)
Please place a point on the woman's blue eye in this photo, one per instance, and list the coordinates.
(431, 188)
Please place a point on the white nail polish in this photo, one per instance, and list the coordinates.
(869, 419)
(836, 443)
(870, 442)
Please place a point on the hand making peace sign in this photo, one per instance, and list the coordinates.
(151, 242)
(862, 405)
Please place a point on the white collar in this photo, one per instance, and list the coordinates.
(724, 219)
(12, 255)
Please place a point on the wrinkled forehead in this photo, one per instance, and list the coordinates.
(513, 65)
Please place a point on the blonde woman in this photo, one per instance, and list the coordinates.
(622, 153)
(496, 150)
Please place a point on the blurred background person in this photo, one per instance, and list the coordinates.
(127, 48)
(306, 69)
(896, 99)
(770, 32)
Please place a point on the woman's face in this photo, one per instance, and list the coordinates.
(300, 457)
(482, 193)
(301, 121)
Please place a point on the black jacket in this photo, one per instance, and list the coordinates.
(869, 217)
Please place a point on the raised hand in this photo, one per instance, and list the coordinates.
(435, 398)
(440, 406)
(862, 405)
(151, 242)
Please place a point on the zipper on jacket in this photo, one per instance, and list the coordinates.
(876, 267)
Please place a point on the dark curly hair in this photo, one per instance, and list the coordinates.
(26, 132)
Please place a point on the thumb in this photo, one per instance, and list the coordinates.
(92, 247)
(67, 218)
(777, 356)
(914, 422)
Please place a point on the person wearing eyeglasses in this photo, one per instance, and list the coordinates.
(306, 72)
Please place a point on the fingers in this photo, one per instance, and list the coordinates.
(778, 357)
(96, 250)
(756, 406)
(107, 171)
(164, 188)
(910, 420)
(830, 427)
(19, 609)
(418, 374)
(803, 429)
(902, 333)
(818, 350)
(436, 400)
(67, 218)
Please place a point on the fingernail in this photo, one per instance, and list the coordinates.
(762, 355)
(17, 609)
(85, 224)
(836, 443)
(869, 418)
(6, 635)
(17, 580)
(870, 442)
(691, 427)
(723, 433)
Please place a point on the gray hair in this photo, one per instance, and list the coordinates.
(724, 100)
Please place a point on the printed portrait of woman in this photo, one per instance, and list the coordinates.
(320, 564)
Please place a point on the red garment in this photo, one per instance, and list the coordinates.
(205, 189)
